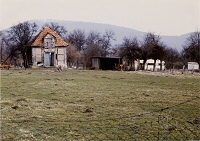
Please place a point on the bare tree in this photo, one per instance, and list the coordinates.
(73, 56)
(107, 38)
(147, 46)
(130, 49)
(92, 50)
(19, 38)
(93, 47)
(152, 48)
(1, 45)
(10, 54)
(191, 49)
(77, 38)
(93, 38)
(171, 57)
(104, 41)
(60, 30)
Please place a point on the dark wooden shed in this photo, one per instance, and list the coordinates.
(105, 63)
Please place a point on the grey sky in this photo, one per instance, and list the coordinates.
(164, 17)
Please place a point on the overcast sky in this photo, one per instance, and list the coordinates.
(164, 17)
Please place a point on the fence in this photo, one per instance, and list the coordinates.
(168, 123)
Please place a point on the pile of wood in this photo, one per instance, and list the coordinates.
(59, 68)
(5, 66)
(120, 67)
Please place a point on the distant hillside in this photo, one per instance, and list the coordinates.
(120, 32)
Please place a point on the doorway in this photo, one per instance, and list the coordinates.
(49, 59)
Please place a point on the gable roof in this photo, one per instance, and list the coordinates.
(49, 35)
(38, 41)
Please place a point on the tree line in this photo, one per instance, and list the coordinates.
(16, 41)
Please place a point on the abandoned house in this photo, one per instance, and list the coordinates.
(105, 63)
(48, 49)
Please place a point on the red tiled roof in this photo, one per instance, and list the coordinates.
(38, 41)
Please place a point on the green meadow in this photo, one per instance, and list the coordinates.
(42, 104)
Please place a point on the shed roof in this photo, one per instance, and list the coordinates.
(106, 57)
(38, 41)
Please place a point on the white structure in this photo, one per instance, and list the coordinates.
(138, 64)
(193, 66)
(158, 65)
(150, 64)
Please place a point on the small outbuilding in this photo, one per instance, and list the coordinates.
(193, 66)
(48, 49)
(149, 65)
(105, 63)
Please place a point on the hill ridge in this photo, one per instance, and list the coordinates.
(120, 32)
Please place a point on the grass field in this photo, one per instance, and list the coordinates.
(41, 104)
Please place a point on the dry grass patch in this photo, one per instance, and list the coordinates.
(38, 103)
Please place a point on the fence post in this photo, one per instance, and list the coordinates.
(158, 127)
(135, 126)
